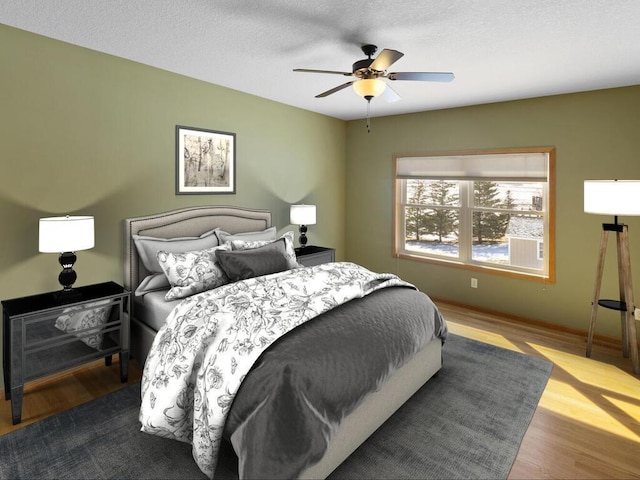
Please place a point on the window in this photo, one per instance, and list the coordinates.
(488, 210)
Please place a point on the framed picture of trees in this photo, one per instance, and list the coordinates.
(205, 161)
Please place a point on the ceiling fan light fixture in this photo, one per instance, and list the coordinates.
(369, 87)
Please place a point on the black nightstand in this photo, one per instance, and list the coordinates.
(47, 333)
(312, 255)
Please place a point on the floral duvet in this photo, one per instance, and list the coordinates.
(211, 342)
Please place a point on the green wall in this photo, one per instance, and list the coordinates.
(596, 137)
(87, 133)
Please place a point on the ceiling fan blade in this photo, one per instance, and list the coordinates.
(390, 95)
(334, 90)
(386, 59)
(422, 76)
(307, 70)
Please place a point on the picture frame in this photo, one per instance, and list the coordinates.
(205, 161)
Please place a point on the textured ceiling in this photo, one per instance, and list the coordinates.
(498, 49)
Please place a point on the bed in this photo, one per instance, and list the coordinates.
(339, 433)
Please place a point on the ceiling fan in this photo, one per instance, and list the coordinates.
(369, 72)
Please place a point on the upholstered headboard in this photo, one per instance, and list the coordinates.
(186, 222)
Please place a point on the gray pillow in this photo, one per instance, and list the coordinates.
(243, 264)
(267, 234)
(148, 247)
(290, 252)
(152, 283)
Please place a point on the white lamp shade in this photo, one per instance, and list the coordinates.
(369, 87)
(66, 234)
(302, 215)
(612, 197)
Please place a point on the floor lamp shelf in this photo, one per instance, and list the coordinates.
(613, 305)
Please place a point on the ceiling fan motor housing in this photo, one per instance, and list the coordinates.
(361, 68)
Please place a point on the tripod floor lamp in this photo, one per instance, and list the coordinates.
(617, 198)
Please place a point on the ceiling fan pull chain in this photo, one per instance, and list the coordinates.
(368, 115)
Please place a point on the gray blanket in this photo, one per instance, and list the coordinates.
(303, 386)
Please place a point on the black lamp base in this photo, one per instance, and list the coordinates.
(67, 277)
(303, 236)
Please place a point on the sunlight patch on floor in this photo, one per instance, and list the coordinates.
(565, 400)
(582, 369)
(482, 336)
(587, 402)
(630, 409)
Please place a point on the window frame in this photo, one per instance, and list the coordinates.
(547, 275)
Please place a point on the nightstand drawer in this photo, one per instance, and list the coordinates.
(313, 255)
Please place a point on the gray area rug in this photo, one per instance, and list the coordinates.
(467, 422)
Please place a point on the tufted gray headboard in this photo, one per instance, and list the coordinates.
(185, 222)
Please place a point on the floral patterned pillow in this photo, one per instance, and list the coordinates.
(94, 317)
(192, 272)
(290, 252)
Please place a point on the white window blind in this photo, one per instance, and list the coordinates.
(530, 166)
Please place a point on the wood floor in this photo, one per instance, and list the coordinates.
(47, 396)
(587, 424)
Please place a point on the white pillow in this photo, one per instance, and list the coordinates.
(290, 252)
(263, 235)
(74, 319)
(192, 272)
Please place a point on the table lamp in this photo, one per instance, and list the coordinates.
(65, 236)
(302, 215)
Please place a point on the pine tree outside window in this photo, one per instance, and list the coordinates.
(484, 210)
